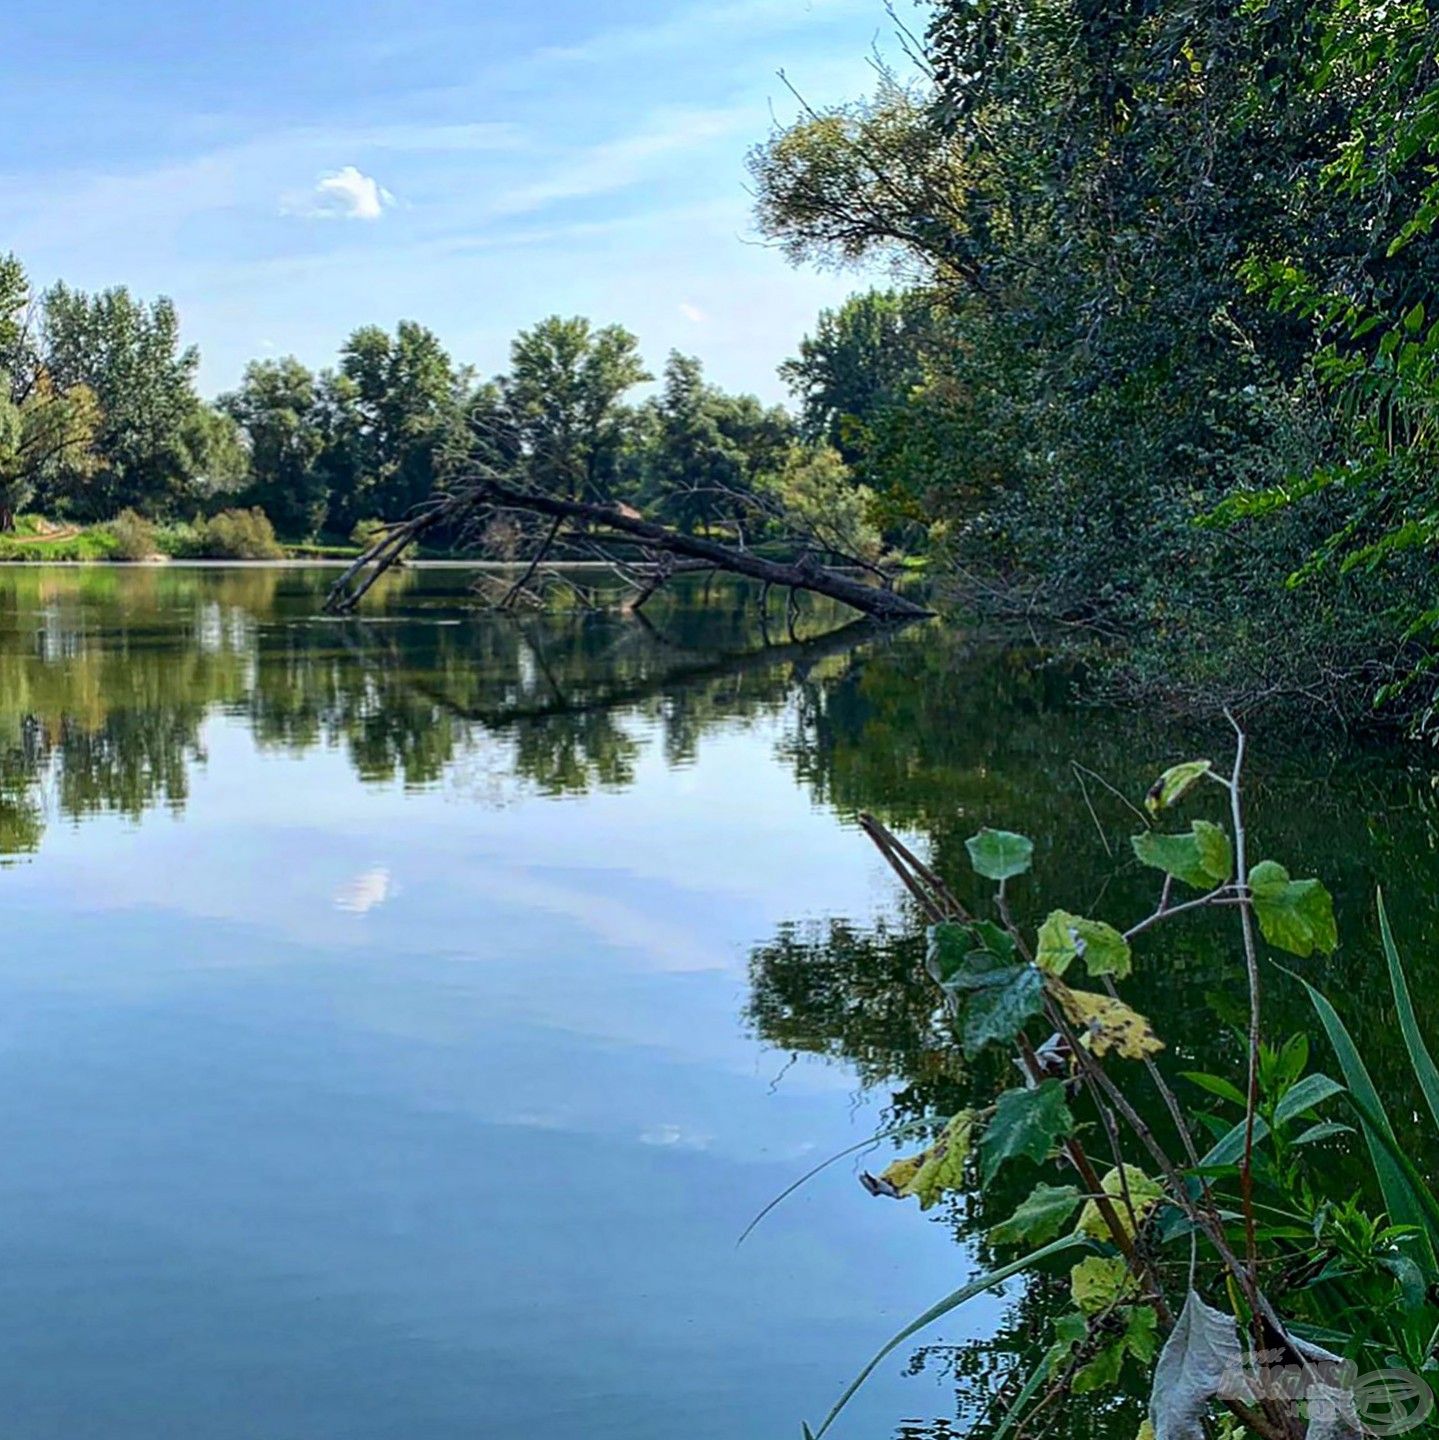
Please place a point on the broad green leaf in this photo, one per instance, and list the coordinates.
(999, 854)
(996, 1011)
(1141, 1335)
(938, 1169)
(1064, 937)
(1419, 1057)
(994, 995)
(1026, 1125)
(1106, 1024)
(1070, 1329)
(950, 1302)
(1144, 1195)
(947, 946)
(1039, 1217)
(994, 938)
(1101, 1373)
(1294, 915)
(1203, 858)
(1098, 1281)
(1175, 784)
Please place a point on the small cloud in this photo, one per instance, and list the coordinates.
(366, 891)
(343, 194)
(693, 313)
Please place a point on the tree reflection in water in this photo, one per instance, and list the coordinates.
(108, 677)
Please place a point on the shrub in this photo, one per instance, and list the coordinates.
(134, 536)
(366, 532)
(239, 535)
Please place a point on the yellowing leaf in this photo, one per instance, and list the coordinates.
(938, 1169)
(1106, 1024)
(1175, 784)
(1144, 1195)
(1064, 937)
(1098, 1281)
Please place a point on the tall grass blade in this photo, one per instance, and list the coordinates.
(908, 1128)
(1425, 1070)
(1026, 1394)
(1403, 1204)
(953, 1302)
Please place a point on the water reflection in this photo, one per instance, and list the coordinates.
(108, 678)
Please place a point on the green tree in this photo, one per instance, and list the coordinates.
(158, 449)
(395, 410)
(703, 449)
(861, 363)
(46, 432)
(278, 408)
(563, 396)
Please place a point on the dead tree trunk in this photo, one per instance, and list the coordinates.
(610, 524)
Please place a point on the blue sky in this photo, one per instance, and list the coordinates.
(287, 172)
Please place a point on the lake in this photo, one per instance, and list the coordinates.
(404, 1015)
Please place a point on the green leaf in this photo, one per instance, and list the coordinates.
(1026, 1125)
(1175, 784)
(1300, 1099)
(950, 1302)
(1040, 1216)
(1203, 858)
(1141, 1335)
(1216, 1085)
(1311, 1091)
(1294, 915)
(999, 854)
(1101, 1373)
(1322, 1131)
(1064, 937)
(1404, 1204)
(947, 946)
(997, 1011)
(954, 952)
(1419, 1057)
(1070, 1330)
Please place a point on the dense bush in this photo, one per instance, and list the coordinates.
(238, 535)
(135, 537)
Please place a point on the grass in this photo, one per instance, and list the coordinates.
(38, 539)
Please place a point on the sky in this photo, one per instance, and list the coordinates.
(287, 172)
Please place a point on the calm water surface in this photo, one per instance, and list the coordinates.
(401, 1017)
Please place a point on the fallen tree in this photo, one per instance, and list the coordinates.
(645, 553)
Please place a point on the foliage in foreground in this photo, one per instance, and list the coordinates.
(1210, 1259)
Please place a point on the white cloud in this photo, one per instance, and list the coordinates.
(365, 892)
(620, 163)
(693, 313)
(343, 194)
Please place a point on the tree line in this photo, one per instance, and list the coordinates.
(99, 414)
(1165, 359)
